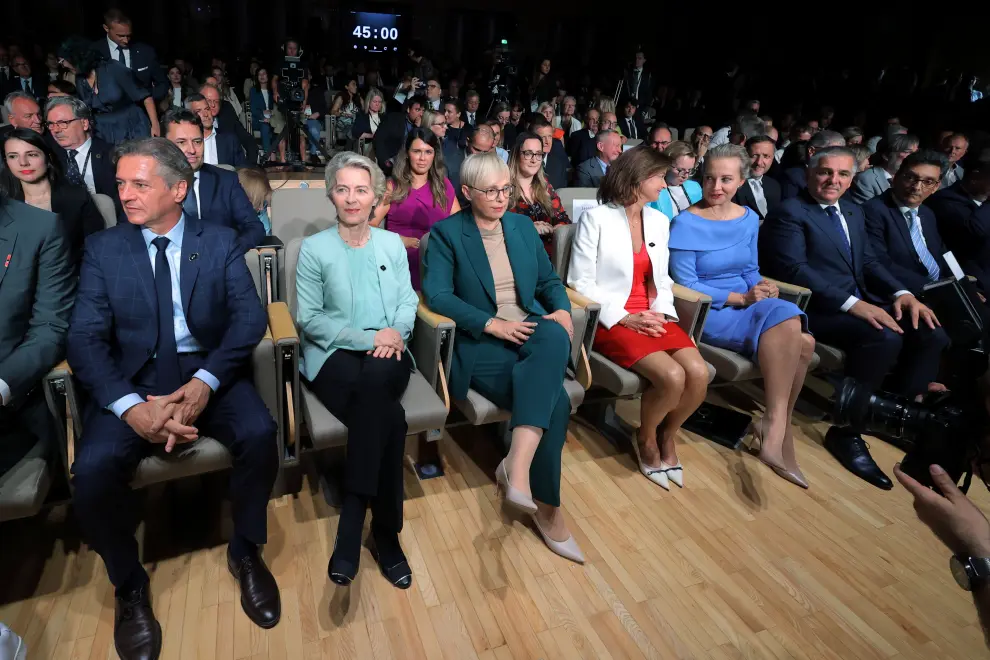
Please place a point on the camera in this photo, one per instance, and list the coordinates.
(503, 78)
(290, 83)
(944, 428)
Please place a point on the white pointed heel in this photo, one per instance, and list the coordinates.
(658, 475)
(511, 495)
(675, 473)
(568, 549)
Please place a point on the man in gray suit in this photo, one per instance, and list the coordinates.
(590, 172)
(37, 289)
(876, 180)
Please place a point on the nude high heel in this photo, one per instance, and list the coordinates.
(512, 495)
(568, 549)
(794, 476)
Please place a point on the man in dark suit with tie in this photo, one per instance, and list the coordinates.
(216, 196)
(555, 163)
(37, 287)
(391, 134)
(581, 143)
(152, 385)
(902, 230)
(472, 102)
(591, 172)
(963, 216)
(226, 122)
(818, 242)
(638, 83)
(632, 125)
(219, 148)
(761, 193)
(23, 80)
(140, 58)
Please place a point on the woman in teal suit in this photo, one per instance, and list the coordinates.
(681, 192)
(355, 310)
(488, 271)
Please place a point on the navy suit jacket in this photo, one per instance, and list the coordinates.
(222, 201)
(892, 244)
(229, 150)
(556, 167)
(771, 191)
(104, 171)
(793, 181)
(230, 123)
(147, 71)
(965, 227)
(800, 244)
(113, 332)
(581, 146)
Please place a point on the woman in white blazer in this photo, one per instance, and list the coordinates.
(619, 260)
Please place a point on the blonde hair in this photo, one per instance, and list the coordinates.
(479, 170)
(606, 104)
(538, 188)
(346, 159)
(679, 148)
(254, 181)
(372, 93)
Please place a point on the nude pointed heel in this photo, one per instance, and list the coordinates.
(512, 495)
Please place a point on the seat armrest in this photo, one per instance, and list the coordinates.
(692, 308)
(798, 295)
(284, 375)
(433, 347)
(65, 408)
(280, 323)
(592, 311)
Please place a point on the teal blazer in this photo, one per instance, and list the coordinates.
(325, 298)
(459, 284)
(663, 204)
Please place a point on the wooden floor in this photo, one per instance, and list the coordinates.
(739, 564)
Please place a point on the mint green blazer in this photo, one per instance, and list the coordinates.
(325, 297)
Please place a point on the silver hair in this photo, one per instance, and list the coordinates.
(901, 142)
(751, 126)
(603, 134)
(726, 151)
(346, 159)
(172, 163)
(823, 139)
(8, 103)
(827, 152)
(210, 86)
(79, 109)
(479, 170)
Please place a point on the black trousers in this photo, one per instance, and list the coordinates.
(872, 354)
(364, 392)
(106, 506)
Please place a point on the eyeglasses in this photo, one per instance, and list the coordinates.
(442, 124)
(475, 150)
(680, 171)
(62, 124)
(532, 155)
(433, 86)
(19, 65)
(491, 194)
(660, 144)
(911, 179)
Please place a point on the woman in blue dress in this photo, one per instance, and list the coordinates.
(110, 91)
(713, 248)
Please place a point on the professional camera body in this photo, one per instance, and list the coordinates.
(945, 428)
(503, 79)
(290, 79)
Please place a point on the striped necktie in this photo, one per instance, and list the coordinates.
(927, 260)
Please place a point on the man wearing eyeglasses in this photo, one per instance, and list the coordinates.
(902, 230)
(23, 80)
(660, 137)
(433, 94)
(85, 159)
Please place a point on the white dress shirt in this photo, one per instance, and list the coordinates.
(199, 203)
(852, 300)
(210, 149)
(113, 53)
(177, 97)
(470, 118)
(756, 185)
(184, 340)
(954, 173)
(85, 164)
(721, 136)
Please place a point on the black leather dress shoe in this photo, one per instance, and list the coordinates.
(399, 574)
(259, 591)
(854, 454)
(137, 635)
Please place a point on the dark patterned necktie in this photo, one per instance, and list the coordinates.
(167, 353)
(120, 56)
(72, 168)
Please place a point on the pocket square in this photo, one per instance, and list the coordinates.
(144, 68)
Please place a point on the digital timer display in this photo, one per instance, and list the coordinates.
(375, 33)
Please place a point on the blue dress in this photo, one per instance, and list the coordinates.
(718, 258)
(116, 113)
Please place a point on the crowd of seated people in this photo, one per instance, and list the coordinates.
(864, 219)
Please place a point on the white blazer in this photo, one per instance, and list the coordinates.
(601, 266)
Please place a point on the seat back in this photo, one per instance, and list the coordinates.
(229, 168)
(673, 133)
(288, 263)
(687, 134)
(301, 212)
(632, 142)
(106, 208)
(563, 238)
(583, 196)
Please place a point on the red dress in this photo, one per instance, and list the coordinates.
(626, 347)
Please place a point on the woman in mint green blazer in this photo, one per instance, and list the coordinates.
(487, 270)
(355, 308)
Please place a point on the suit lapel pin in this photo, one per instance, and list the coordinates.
(382, 267)
(194, 256)
(653, 244)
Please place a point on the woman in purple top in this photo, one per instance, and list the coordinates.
(418, 195)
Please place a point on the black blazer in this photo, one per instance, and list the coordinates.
(39, 86)
(640, 127)
(771, 190)
(799, 244)
(229, 151)
(147, 72)
(793, 181)
(965, 228)
(104, 171)
(581, 146)
(892, 244)
(389, 137)
(645, 96)
(556, 167)
(78, 214)
(230, 123)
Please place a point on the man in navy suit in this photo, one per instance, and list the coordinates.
(23, 80)
(818, 242)
(218, 148)
(902, 230)
(632, 121)
(761, 192)
(165, 321)
(555, 161)
(226, 122)
(139, 58)
(216, 196)
(963, 216)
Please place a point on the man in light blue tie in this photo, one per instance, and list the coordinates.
(902, 230)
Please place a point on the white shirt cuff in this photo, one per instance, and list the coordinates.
(208, 378)
(898, 294)
(125, 403)
(850, 301)
(4, 392)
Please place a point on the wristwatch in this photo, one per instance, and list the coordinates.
(489, 322)
(970, 572)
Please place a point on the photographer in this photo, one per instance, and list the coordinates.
(963, 528)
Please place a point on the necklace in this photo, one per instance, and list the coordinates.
(361, 241)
